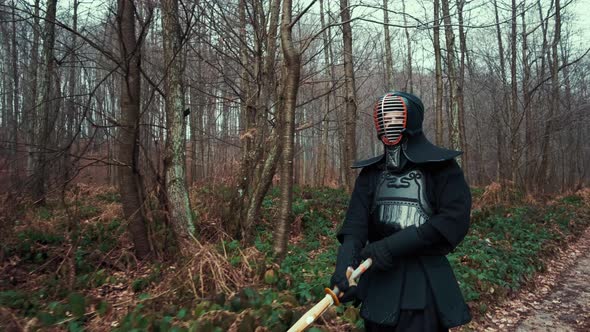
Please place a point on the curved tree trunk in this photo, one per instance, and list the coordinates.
(291, 71)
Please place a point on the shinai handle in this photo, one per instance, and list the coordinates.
(331, 297)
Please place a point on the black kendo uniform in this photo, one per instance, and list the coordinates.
(409, 208)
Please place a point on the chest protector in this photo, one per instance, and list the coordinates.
(400, 201)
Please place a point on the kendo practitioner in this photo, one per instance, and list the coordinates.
(409, 208)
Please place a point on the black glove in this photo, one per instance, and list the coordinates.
(379, 253)
(347, 292)
(407, 242)
(347, 257)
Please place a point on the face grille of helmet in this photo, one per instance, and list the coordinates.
(390, 116)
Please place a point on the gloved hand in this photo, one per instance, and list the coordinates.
(410, 241)
(378, 251)
(346, 287)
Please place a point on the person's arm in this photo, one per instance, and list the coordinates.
(443, 231)
(354, 231)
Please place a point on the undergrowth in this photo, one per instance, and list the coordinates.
(53, 274)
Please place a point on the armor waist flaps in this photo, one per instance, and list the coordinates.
(400, 201)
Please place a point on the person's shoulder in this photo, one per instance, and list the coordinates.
(445, 167)
(368, 163)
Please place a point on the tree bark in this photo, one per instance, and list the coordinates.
(528, 142)
(388, 54)
(514, 118)
(49, 111)
(130, 184)
(439, 124)
(71, 102)
(460, 90)
(350, 99)
(451, 71)
(409, 78)
(291, 71)
(323, 153)
(554, 104)
(501, 120)
(177, 204)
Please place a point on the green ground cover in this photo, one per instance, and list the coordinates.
(60, 277)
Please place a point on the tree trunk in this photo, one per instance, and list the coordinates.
(30, 94)
(128, 134)
(240, 197)
(323, 153)
(388, 55)
(350, 116)
(177, 204)
(554, 104)
(49, 111)
(501, 120)
(291, 71)
(460, 90)
(15, 98)
(453, 105)
(439, 124)
(71, 102)
(528, 174)
(409, 80)
(514, 119)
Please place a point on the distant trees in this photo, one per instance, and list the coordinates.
(148, 95)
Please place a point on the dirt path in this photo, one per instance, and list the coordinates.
(560, 300)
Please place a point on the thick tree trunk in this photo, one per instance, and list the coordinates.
(350, 99)
(49, 111)
(291, 71)
(128, 135)
(177, 203)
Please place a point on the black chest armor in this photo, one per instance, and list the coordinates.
(399, 201)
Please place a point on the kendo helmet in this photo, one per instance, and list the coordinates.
(398, 118)
(397, 114)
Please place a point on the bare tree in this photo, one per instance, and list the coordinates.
(452, 76)
(388, 56)
(554, 101)
(438, 75)
(291, 73)
(177, 204)
(130, 183)
(409, 86)
(351, 103)
(49, 110)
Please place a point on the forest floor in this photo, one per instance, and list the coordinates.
(557, 300)
(69, 266)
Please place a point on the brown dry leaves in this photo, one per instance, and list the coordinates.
(543, 296)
